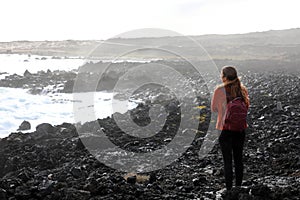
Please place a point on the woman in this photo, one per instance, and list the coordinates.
(231, 142)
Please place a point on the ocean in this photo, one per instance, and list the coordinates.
(18, 105)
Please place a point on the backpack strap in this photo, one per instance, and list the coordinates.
(236, 98)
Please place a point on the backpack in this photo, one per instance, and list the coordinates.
(235, 117)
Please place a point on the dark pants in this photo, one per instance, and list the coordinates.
(232, 144)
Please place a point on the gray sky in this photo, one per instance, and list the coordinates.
(99, 19)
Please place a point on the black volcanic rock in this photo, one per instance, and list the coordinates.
(27, 73)
(37, 82)
(76, 172)
(262, 191)
(45, 128)
(25, 125)
(53, 162)
(131, 179)
(2, 194)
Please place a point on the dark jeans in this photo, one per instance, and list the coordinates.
(232, 143)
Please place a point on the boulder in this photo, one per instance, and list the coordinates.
(45, 128)
(27, 73)
(25, 125)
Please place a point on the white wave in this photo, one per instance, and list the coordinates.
(18, 63)
(18, 105)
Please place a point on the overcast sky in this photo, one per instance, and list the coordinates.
(99, 19)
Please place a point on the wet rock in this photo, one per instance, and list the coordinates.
(36, 82)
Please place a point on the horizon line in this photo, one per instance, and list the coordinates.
(201, 35)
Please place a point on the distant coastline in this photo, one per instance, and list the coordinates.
(281, 45)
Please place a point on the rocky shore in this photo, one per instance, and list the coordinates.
(61, 81)
(40, 82)
(53, 163)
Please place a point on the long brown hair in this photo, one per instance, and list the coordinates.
(233, 85)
